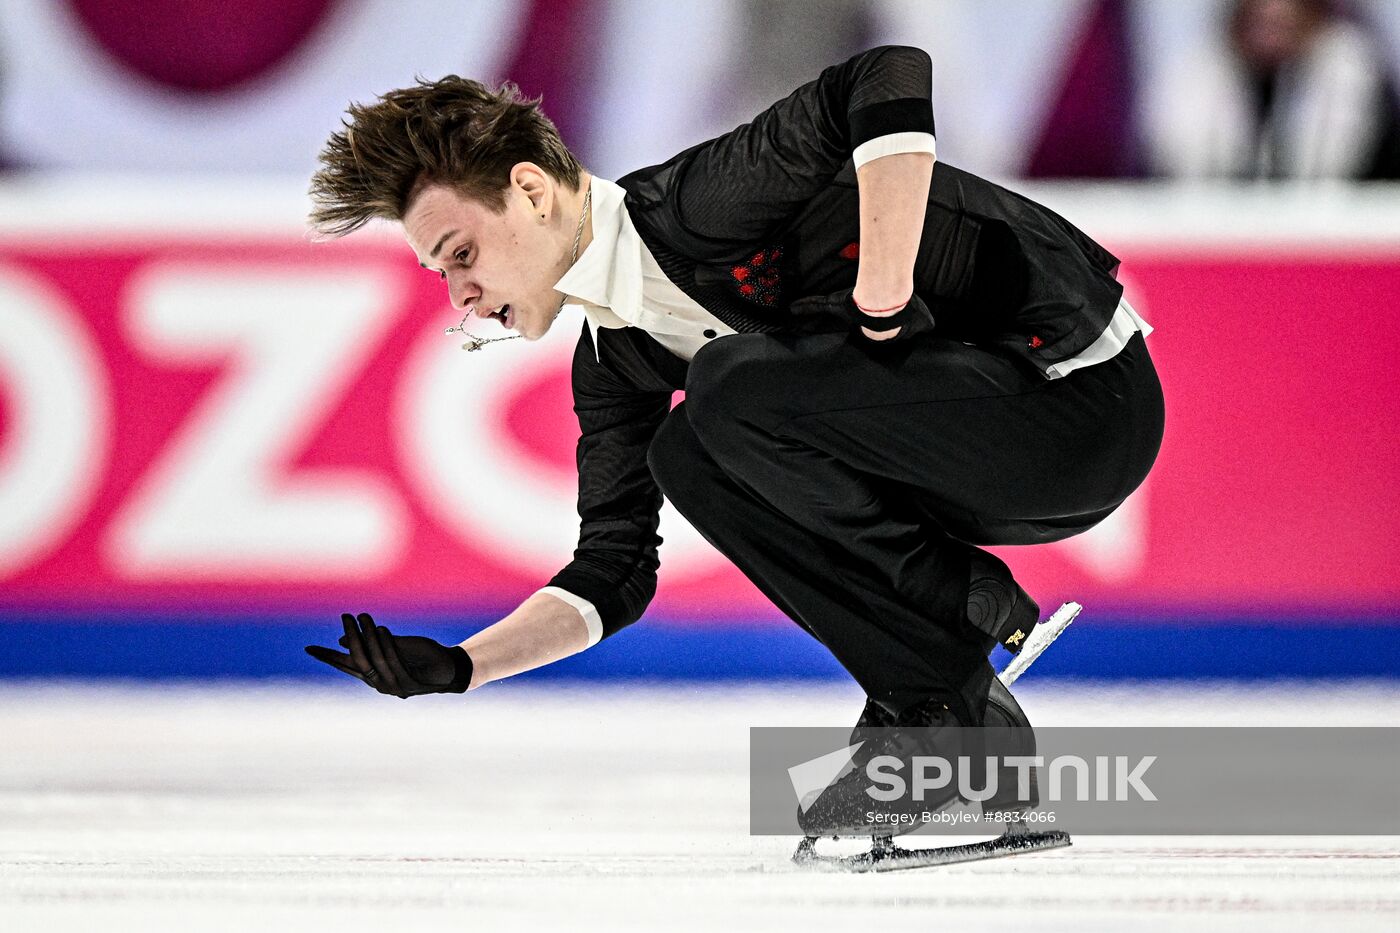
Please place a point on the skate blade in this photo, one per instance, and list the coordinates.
(1040, 638)
(888, 857)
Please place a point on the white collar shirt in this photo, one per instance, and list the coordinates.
(618, 283)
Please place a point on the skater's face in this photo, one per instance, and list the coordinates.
(502, 264)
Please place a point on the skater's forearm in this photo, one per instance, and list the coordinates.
(544, 629)
(893, 199)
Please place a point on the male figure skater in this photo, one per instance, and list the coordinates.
(887, 364)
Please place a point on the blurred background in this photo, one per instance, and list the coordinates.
(215, 435)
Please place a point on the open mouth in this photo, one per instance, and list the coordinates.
(503, 315)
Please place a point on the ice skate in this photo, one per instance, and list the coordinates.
(996, 603)
(1040, 638)
(884, 855)
(844, 810)
(999, 607)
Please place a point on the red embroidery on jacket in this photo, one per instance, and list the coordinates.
(758, 277)
(1036, 342)
(850, 251)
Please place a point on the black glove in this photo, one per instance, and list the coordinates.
(914, 318)
(399, 665)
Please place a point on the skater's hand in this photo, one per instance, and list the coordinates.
(884, 326)
(399, 665)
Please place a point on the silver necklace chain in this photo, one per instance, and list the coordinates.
(476, 343)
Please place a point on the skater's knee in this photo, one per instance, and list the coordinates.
(724, 380)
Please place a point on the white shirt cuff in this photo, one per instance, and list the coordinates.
(893, 144)
(1121, 327)
(585, 609)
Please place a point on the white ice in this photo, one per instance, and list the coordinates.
(299, 806)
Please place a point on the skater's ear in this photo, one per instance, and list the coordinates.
(535, 185)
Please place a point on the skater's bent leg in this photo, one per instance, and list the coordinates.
(897, 652)
(855, 514)
(991, 452)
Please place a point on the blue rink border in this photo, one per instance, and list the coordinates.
(237, 646)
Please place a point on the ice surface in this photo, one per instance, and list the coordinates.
(298, 806)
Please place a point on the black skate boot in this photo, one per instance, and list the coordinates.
(874, 716)
(845, 808)
(996, 604)
(1006, 732)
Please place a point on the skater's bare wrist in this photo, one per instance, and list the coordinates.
(544, 629)
(883, 303)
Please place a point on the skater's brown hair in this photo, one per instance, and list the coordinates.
(454, 131)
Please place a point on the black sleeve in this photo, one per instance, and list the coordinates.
(614, 566)
(745, 183)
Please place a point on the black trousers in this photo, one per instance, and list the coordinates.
(850, 483)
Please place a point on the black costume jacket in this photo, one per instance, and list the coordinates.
(748, 223)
